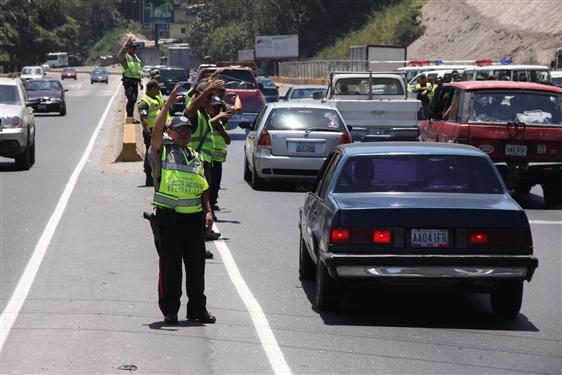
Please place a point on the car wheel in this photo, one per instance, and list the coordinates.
(552, 193)
(257, 182)
(306, 264)
(328, 290)
(523, 188)
(91, 82)
(63, 109)
(23, 160)
(75, 78)
(106, 81)
(247, 172)
(506, 298)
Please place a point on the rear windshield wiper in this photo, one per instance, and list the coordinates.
(321, 130)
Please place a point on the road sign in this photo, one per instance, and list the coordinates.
(277, 47)
(246, 55)
(158, 11)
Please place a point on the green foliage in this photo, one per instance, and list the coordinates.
(396, 25)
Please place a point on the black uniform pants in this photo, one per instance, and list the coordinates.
(147, 137)
(131, 92)
(216, 177)
(181, 241)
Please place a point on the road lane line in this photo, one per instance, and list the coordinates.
(11, 312)
(545, 222)
(265, 334)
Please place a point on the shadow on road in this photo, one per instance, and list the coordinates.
(7, 166)
(368, 307)
(532, 202)
(160, 325)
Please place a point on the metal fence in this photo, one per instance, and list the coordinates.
(319, 68)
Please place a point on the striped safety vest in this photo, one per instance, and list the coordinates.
(154, 106)
(202, 139)
(182, 181)
(133, 69)
(221, 148)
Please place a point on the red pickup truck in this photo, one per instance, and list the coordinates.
(518, 124)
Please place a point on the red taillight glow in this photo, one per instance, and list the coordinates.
(264, 139)
(339, 235)
(345, 138)
(478, 238)
(382, 236)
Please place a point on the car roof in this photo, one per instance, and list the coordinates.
(309, 87)
(556, 74)
(410, 148)
(8, 81)
(509, 67)
(510, 85)
(301, 104)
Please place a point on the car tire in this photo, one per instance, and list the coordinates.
(257, 182)
(328, 291)
(523, 188)
(32, 153)
(23, 160)
(506, 298)
(247, 172)
(306, 264)
(552, 193)
(106, 81)
(91, 82)
(75, 78)
(63, 110)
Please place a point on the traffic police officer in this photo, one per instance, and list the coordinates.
(182, 203)
(221, 140)
(132, 73)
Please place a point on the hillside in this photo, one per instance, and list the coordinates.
(527, 31)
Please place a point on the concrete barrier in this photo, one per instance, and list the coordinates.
(130, 142)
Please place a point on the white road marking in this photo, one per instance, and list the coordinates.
(268, 341)
(11, 312)
(545, 222)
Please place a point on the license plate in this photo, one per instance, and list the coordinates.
(305, 147)
(516, 150)
(41, 106)
(429, 238)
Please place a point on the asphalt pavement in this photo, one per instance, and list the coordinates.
(92, 306)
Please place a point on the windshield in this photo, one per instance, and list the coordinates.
(303, 119)
(306, 93)
(527, 107)
(99, 71)
(360, 86)
(518, 75)
(31, 71)
(173, 74)
(68, 70)
(42, 85)
(418, 173)
(9, 95)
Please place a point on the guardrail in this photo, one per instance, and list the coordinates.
(319, 69)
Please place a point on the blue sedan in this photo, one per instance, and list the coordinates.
(415, 215)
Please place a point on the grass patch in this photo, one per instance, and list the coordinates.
(395, 25)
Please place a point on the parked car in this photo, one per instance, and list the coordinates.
(32, 72)
(17, 123)
(99, 75)
(238, 81)
(301, 92)
(51, 95)
(179, 105)
(68, 73)
(519, 124)
(289, 141)
(415, 215)
(169, 76)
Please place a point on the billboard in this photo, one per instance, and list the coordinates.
(277, 47)
(246, 55)
(158, 11)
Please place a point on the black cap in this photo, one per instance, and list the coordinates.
(215, 100)
(179, 121)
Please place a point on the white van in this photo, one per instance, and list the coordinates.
(412, 71)
(32, 72)
(523, 73)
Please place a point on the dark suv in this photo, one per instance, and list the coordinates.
(169, 76)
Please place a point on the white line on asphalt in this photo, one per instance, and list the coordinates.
(545, 222)
(268, 341)
(11, 312)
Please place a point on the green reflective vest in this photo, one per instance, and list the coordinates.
(202, 139)
(154, 106)
(133, 67)
(221, 148)
(189, 97)
(182, 181)
(429, 88)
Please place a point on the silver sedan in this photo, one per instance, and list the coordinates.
(290, 141)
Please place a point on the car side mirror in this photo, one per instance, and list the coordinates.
(349, 127)
(317, 95)
(64, 90)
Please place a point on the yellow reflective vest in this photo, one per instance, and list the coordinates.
(154, 106)
(202, 139)
(182, 180)
(133, 67)
(221, 148)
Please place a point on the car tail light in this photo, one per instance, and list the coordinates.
(383, 236)
(265, 138)
(478, 238)
(345, 138)
(339, 235)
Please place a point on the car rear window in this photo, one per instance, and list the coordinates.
(303, 119)
(360, 86)
(419, 173)
(303, 93)
(530, 108)
(42, 85)
(174, 74)
(9, 95)
(236, 79)
(31, 71)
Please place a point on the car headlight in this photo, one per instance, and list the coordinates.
(11, 122)
(55, 100)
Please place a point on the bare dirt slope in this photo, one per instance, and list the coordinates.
(528, 31)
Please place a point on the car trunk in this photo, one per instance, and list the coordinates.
(252, 100)
(303, 143)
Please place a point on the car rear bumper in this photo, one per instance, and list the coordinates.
(98, 79)
(287, 167)
(12, 142)
(384, 133)
(431, 266)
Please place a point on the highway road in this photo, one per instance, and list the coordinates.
(91, 306)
